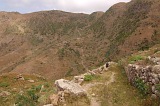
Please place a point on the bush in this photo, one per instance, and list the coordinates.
(142, 87)
(88, 77)
(4, 84)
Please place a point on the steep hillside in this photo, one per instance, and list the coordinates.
(40, 43)
(56, 44)
(129, 27)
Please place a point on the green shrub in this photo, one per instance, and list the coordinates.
(136, 58)
(32, 95)
(4, 84)
(88, 77)
(142, 87)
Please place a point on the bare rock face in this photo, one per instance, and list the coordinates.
(70, 86)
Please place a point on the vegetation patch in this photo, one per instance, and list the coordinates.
(4, 84)
(30, 99)
(136, 58)
(88, 77)
(142, 87)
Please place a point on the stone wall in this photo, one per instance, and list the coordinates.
(149, 75)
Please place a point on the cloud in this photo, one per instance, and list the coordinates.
(85, 6)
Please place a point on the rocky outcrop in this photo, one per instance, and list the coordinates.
(150, 75)
(73, 88)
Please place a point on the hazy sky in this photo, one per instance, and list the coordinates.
(85, 6)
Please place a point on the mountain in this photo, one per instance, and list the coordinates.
(56, 44)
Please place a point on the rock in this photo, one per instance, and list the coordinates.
(155, 75)
(156, 69)
(153, 96)
(153, 81)
(19, 77)
(5, 94)
(49, 105)
(54, 99)
(72, 87)
(21, 92)
(62, 100)
(66, 93)
(156, 80)
(78, 79)
(32, 81)
(91, 72)
(157, 93)
(97, 71)
(153, 89)
(112, 63)
(14, 89)
(93, 95)
(154, 59)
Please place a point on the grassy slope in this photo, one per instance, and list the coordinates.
(15, 87)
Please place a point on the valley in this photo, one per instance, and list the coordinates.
(39, 48)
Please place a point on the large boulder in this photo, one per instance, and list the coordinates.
(70, 86)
